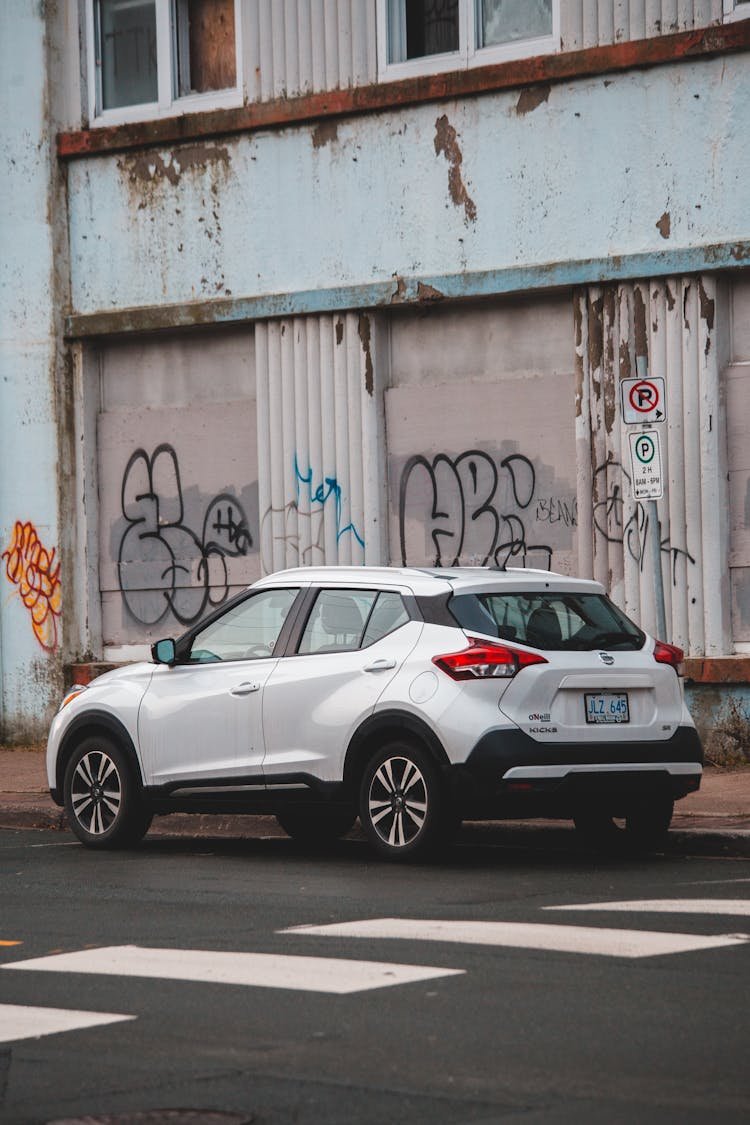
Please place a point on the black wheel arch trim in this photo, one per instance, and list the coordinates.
(82, 727)
(395, 723)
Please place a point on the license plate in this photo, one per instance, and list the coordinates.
(607, 707)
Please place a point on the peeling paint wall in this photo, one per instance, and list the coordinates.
(738, 425)
(477, 187)
(675, 329)
(32, 603)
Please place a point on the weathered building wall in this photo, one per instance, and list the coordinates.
(303, 46)
(458, 197)
(31, 592)
(480, 427)
(594, 23)
(176, 463)
(676, 329)
(320, 441)
(326, 421)
(738, 424)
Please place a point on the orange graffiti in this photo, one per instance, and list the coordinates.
(33, 570)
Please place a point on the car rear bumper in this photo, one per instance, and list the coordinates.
(508, 774)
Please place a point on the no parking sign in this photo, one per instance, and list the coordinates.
(643, 400)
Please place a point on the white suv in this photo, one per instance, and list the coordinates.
(410, 698)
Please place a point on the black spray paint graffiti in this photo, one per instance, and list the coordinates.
(634, 532)
(163, 566)
(465, 524)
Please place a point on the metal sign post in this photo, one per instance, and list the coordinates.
(644, 403)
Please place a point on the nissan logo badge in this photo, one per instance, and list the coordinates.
(606, 658)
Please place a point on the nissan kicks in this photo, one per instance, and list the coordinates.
(412, 699)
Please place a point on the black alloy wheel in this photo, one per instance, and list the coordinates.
(103, 801)
(402, 805)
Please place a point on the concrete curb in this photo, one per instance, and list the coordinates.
(32, 812)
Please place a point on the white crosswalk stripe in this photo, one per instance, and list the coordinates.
(262, 970)
(525, 935)
(728, 906)
(17, 1021)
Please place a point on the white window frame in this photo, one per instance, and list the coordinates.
(468, 54)
(736, 10)
(169, 103)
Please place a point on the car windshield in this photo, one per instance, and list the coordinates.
(548, 620)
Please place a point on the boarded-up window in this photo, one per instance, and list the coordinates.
(206, 46)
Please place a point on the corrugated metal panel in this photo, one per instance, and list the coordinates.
(595, 23)
(320, 442)
(302, 46)
(665, 328)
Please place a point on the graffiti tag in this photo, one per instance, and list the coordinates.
(159, 554)
(33, 569)
(329, 488)
(463, 516)
(634, 532)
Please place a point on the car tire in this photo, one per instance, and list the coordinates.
(402, 806)
(103, 799)
(316, 826)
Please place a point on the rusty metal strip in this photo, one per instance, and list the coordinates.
(400, 291)
(519, 73)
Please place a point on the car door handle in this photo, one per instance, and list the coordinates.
(244, 689)
(380, 665)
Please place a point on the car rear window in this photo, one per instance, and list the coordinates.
(556, 622)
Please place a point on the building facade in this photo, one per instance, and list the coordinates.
(369, 281)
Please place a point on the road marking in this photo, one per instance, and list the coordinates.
(261, 970)
(20, 1022)
(523, 935)
(733, 906)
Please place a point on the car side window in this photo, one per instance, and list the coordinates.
(248, 631)
(388, 614)
(345, 620)
(337, 621)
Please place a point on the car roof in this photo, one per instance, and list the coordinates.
(430, 581)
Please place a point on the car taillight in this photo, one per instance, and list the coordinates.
(669, 654)
(484, 660)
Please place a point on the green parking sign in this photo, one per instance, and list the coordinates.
(645, 462)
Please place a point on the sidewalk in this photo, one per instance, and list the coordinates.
(716, 820)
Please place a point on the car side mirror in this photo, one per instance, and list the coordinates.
(164, 652)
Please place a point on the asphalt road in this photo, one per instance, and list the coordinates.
(509, 1012)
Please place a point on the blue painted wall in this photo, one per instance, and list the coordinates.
(646, 164)
(30, 591)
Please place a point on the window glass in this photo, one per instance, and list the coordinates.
(429, 36)
(247, 631)
(337, 621)
(389, 614)
(127, 52)
(548, 621)
(504, 21)
(153, 52)
(417, 28)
